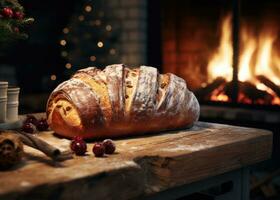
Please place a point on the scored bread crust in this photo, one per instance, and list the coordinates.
(144, 102)
(115, 84)
(119, 101)
(96, 80)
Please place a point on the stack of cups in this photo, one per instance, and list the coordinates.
(8, 103)
(3, 101)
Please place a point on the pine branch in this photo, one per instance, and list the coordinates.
(11, 28)
(20, 23)
(14, 4)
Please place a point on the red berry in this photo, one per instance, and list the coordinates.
(28, 128)
(18, 15)
(7, 12)
(78, 147)
(109, 145)
(98, 149)
(16, 29)
(42, 125)
(31, 119)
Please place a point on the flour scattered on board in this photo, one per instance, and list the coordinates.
(195, 147)
(134, 148)
(24, 184)
(63, 144)
(124, 143)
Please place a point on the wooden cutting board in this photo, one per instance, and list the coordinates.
(141, 165)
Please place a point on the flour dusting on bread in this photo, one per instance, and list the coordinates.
(120, 101)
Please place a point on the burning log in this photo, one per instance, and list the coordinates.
(275, 88)
(204, 93)
(254, 94)
(250, 92)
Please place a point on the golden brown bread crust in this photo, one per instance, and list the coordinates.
(119, 101)
(96, 80)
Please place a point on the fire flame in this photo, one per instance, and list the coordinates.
(221, 63)
(258, 56)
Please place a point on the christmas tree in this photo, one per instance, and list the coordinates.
(12, 20)
(89, 39)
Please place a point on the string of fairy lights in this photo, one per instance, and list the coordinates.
(100, 43)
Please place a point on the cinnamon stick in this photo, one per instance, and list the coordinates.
(41, 145)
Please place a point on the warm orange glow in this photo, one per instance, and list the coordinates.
(88, 8)
(218, 95)
(258, 56)
(221, 63)
(68, 65)
(250, 47)
(265, 56)
(100, 44)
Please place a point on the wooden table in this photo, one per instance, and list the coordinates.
(163, 166)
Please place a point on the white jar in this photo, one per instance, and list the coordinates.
(12, 104)
(3, 109)
(3, 100)
(3, 89)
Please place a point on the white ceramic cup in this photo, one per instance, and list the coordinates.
(12, 104)
(3, 89)
(3, 100)
(3, 109)
(12, 112)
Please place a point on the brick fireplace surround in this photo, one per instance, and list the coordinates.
(131, 18)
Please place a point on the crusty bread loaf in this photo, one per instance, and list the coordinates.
(119, 101)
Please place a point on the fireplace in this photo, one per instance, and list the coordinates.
(229, 54)
(227, 51)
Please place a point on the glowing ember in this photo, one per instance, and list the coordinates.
(258, 56)
(218, 95)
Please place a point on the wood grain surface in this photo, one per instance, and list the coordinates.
(141, 165)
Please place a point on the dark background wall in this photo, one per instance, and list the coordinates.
(36, 58)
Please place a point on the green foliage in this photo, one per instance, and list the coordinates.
(11, 28)
(11, 4)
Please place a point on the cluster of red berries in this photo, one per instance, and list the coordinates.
(31, 124)
(9, 13)
(79, 147)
